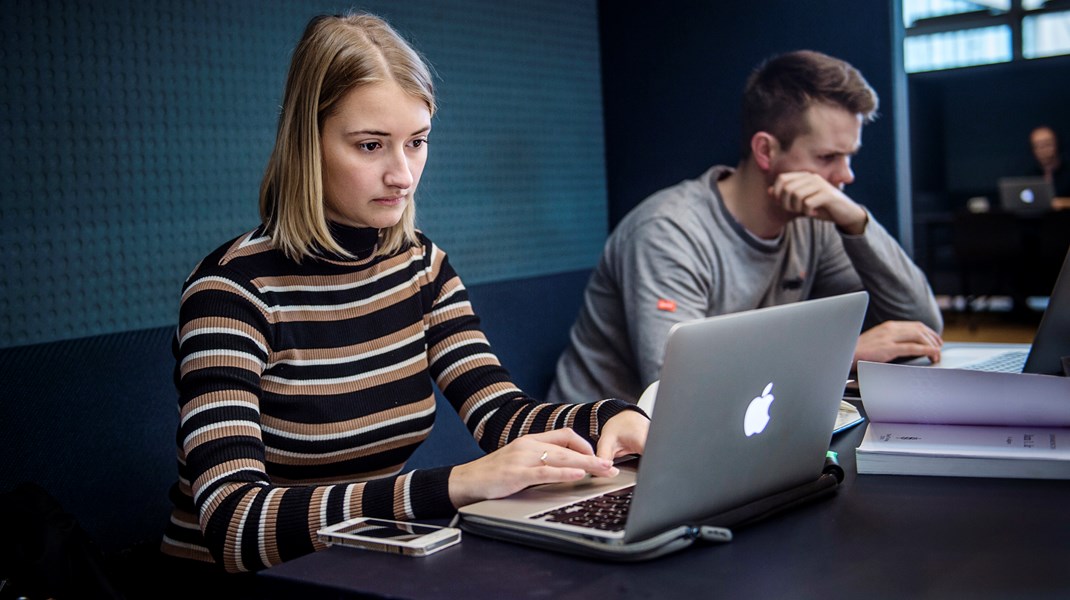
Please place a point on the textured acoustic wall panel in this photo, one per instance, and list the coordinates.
(135, 134)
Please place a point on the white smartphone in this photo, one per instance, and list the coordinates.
(411, 539)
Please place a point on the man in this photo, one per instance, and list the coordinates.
(776, 229)
(1051, 164)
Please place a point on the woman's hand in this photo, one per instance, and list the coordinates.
(548, 457)
(625, 433)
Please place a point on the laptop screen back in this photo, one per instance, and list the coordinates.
(746, 406)
(1052, 342)
(1025, 194)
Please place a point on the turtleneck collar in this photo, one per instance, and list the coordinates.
(358, 241)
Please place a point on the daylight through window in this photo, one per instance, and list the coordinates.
(947, 34)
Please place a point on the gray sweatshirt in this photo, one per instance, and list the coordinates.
(680, 255)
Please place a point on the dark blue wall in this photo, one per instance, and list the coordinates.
(673, 73)
(135, 133)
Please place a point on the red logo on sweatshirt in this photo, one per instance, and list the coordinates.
(666, 305)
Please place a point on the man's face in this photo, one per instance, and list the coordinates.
(833, 137)
(1044, 145)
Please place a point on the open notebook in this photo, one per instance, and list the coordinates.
(745, 410)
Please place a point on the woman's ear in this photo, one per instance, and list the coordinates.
(763, 147)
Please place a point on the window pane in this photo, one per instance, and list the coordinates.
(922, 9)
(957, 49)
(1032, 4)
(1046, 35)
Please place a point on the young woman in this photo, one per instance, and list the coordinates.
(307, 348)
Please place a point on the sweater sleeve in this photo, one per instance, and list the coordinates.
(248, 519)
(479, 387)
(250, 514)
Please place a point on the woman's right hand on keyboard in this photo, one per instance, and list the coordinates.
(548, 457)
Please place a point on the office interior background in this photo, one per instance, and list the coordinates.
(137, 131)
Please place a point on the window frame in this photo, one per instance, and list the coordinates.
(1012, 18)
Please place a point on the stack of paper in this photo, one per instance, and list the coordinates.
(953, 422)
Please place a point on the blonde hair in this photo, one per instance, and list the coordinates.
(335, 55)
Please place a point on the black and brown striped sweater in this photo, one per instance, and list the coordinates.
(304, 388)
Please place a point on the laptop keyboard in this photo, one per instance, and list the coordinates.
(1005, 362)
(607, 512)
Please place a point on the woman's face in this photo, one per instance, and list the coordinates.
(374, 150)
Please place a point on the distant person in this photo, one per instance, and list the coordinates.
(1051, 164)
(776, 229)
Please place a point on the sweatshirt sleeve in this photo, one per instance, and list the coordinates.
(898, 289)
(665, 277)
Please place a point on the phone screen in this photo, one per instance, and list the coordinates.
(411, 539)
(387, 530)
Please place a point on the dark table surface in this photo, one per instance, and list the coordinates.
(878, 537)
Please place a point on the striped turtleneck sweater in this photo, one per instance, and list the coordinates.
(304, 388)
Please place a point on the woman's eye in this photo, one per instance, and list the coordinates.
(369, 146)
(419, 143)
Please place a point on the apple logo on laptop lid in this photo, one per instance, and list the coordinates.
(757, 416)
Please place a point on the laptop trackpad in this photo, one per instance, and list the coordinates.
(582, 488)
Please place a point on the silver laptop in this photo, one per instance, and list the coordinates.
(1025, 194)
(745, 408)
(1044, 356)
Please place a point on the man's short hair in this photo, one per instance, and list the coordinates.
(780, 90)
